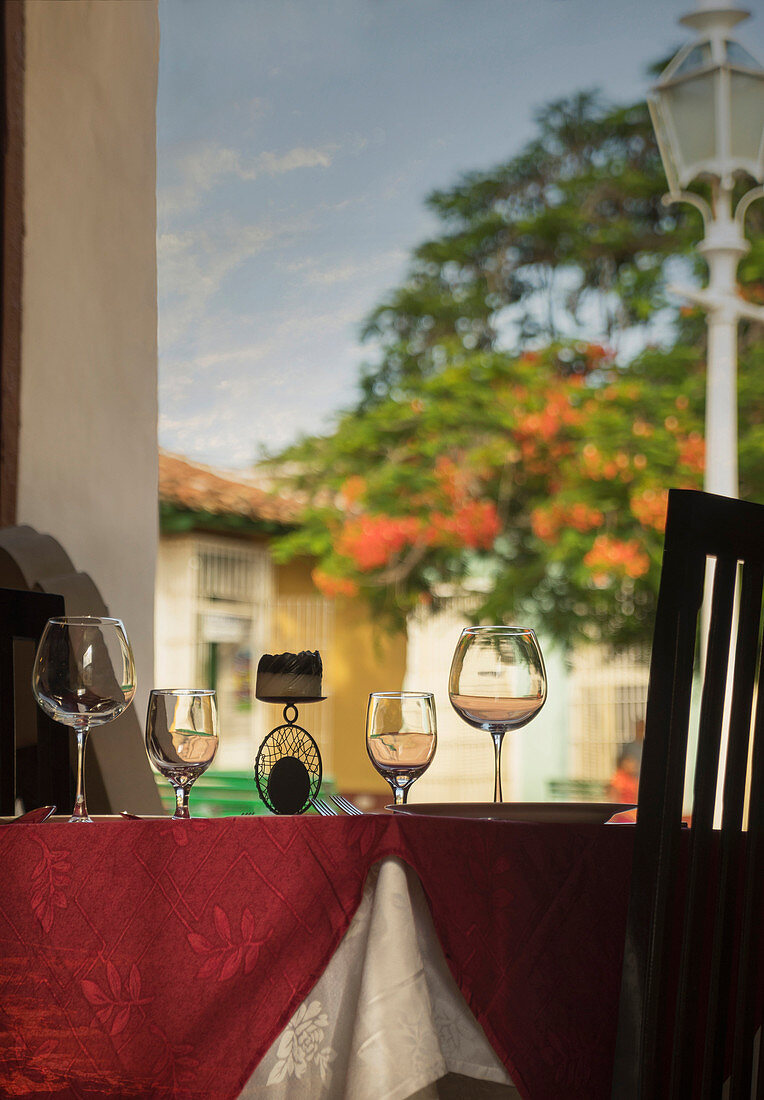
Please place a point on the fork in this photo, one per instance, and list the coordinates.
(324, 808)
(343, 804)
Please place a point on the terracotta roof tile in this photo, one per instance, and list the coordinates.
(205, 489)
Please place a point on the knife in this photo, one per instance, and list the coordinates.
(35, 817)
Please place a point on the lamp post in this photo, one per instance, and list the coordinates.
(707, 109)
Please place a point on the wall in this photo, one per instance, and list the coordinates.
(88, 437)
(175, 612)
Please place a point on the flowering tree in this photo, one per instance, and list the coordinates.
(537, 473)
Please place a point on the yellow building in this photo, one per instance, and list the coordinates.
(221, 602)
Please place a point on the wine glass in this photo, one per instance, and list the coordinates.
(401, 736)
(182, 737)
(84, 676)
(497, 682)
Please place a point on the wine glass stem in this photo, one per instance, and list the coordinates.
(401, 795)
(80, 812)
(497, 740)
(181, 801)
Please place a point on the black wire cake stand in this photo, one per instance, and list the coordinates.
(288, 765)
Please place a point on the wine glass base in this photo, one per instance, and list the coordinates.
(80, 820)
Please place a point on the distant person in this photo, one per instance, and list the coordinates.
(624, 783)
(633, 749)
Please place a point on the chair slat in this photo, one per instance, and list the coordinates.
(727, 900)
(750, 970)
(654, 861)
(704, 798)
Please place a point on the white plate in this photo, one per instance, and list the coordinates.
(581, 813)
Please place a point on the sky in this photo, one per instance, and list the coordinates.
(296, 143)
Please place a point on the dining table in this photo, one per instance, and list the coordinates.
(302, 956)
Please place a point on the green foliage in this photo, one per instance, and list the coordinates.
(537, 471)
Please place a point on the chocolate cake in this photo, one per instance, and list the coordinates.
(285, 676)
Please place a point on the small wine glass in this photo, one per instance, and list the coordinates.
(182, 738)
(84, 676)
(401, 737)
(497, 682)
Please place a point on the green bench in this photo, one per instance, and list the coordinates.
(225, 794)
(577, 790)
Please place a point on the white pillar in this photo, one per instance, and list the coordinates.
(723, 247)
(721, 474)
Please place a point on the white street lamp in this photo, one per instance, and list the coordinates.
(708, 112)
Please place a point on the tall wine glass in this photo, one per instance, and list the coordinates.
(401, 737)
(497, 682)
(84, 676)
(182, 738)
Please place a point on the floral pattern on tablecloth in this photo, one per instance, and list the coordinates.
(301, 1044)
(50, 876)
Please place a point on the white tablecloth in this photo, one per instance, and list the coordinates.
(386, 1020)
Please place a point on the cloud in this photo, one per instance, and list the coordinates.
(262, 392)
(291, 339)
(207, 165)
(313, 274)
(224, 443)
(193, 264)
(343, 273)
(288, 162)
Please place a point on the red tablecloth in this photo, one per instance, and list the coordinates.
(162, 959)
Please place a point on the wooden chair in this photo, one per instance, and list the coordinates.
(691, 997)
(34, 750)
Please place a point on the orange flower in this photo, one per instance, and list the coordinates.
(331, 586)
(373, 541)
(452, 480)
(548, 522)
(475, 524)
(595, 353)
(649, 507)
(353, 489)
(692, 453)
(641, 427)
(610, 557)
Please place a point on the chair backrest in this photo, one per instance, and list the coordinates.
(692, 978)
(34, 750)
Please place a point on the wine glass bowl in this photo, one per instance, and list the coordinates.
(83, 676)
(497, 682)
(401, 737)
(182, 738)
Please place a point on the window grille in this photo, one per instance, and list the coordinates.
(234, 585)
(236, 574)
(607, 708)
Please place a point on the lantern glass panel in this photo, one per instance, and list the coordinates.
(698, 57)
(738, 55)
(747, 101)
(689, 105)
